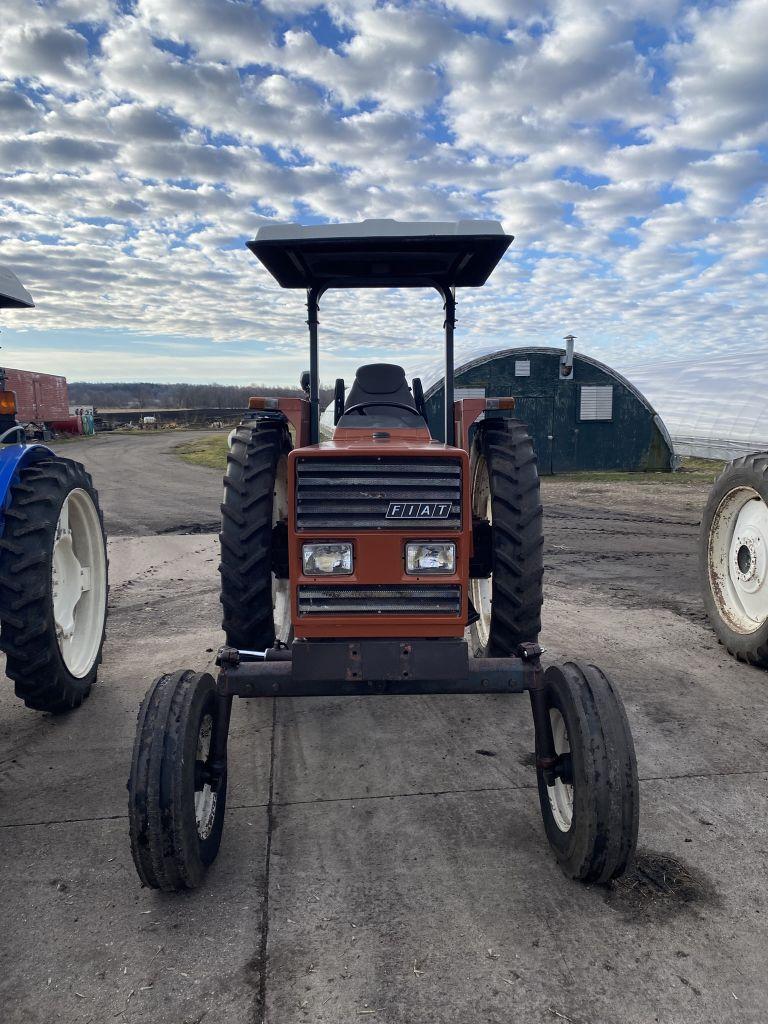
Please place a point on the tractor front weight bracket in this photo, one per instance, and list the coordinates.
(329, 668)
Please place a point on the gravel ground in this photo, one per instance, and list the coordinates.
(408, 880)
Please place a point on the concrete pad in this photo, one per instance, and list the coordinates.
(693, 709)
(374, 746)
(409, 876)
(82, 942)
(164, 615)
(431, 909)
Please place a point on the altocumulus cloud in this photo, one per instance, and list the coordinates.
(624, 144)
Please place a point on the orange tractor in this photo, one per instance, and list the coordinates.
(383, 561)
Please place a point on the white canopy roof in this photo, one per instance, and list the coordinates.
(13, 294)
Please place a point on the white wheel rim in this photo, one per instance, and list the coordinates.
(561, 793)
(281, 589)
(737, 559)
(79, 583)
(205, 798)
(481, 590)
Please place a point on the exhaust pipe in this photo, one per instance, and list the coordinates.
(566, 360)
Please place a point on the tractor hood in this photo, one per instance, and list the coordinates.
(13, 294)
(381, 253)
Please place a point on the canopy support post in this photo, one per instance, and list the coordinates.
(449, 298)
(313, 300)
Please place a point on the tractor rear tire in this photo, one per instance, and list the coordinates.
(175, 817)
(733, 549)
(591, 810)
(254, 537)
(505, 490)
(53, 584)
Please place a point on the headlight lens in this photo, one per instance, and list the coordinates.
(327, 559)
(422, 559)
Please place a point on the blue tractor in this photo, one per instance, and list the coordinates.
(53, 561)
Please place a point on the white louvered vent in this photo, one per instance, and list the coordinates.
(597, 403)
(522, 367)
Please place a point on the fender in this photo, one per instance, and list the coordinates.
(12, 458)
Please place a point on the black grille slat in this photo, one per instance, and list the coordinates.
(380, 599)
(426, 465)
(350, 494)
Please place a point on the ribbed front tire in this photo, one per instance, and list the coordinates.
(591, 811)
(176, 818)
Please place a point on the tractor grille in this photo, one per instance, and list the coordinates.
(355, 494)
(383, 599)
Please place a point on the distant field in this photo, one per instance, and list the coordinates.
(212, 452)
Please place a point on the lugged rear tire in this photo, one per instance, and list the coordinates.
(35, 651)
(734, 526)
(505, 489)
(591, 812)
(256, 608)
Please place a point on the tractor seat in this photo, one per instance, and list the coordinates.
(386, 385)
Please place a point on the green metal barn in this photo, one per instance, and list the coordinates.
(581, 413)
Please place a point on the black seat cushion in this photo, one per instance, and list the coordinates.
(380, 383)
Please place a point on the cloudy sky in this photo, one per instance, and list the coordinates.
(623, 144)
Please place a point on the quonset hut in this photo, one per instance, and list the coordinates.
(585, 416)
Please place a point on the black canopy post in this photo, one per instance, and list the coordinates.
(313, 299)
(449, 297)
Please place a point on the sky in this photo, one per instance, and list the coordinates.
(624, 144)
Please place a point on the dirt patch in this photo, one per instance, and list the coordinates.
(186, 529)
(657, 887)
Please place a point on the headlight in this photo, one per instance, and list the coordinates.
(327, 559)
(423, 559)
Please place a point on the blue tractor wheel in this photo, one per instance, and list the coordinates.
(53, 578)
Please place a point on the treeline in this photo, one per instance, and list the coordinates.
(146, 395)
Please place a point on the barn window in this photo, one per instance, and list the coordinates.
(522, 367)
(597, 403)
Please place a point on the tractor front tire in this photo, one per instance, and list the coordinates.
(591, 807)
(175, 814)
(733, 549)
(505, 491)
(53, 584)
(254, 537)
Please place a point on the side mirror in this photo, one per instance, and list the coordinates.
(304, 381)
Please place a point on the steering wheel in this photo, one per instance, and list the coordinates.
(361, 406)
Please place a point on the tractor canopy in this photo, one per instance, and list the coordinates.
(381, 253)
(13, 294)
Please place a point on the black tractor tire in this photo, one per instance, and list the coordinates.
(28, 634)
(251, 544)
(743, 480)
(517, 538)
(168, 849)
(601, 768)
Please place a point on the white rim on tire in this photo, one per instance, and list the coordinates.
(205, 798)
(281, 589)
(737, 559)
(481, 590)
(561, 793)
(79, 582)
